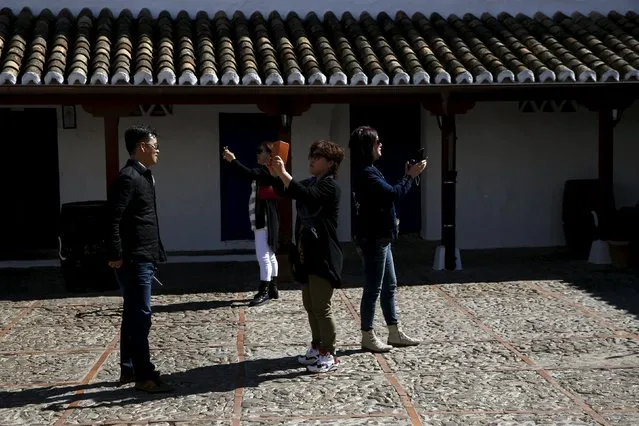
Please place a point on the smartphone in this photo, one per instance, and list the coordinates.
(419, 156)
(280, 148)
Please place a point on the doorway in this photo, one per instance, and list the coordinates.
(29, 183)
(399, 129)
(242, 133)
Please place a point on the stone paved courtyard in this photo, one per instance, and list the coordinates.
(544, 340)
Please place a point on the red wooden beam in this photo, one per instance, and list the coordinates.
(111, 123)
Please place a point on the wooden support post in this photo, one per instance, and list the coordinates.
(449, 180)
(111, 122)
(286, 204)
(606, 159)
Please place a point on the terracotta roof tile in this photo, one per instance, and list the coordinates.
(205, 61)
(81, 48)
(197, 49)
(537, 53)
(285, 51)
(605, 45)
(266, 51)
(304, 50)
(364, 50)
(494, 54)
(122, 49)
(431, 63)
(345, 50)
(327, 54)
(405, 52)
(245, 50)
(384, 51)
(185, 67)
(226, 49)
(16, 48)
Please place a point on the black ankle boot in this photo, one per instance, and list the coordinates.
(273, 293)
(262, 294)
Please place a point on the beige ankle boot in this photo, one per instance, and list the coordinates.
(372, 343)
(398, 339)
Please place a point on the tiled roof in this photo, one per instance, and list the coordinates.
(275, 50)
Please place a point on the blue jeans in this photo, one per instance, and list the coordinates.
(135, 283)
(379, 281)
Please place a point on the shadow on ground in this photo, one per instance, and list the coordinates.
(216, 378)
(413, 258)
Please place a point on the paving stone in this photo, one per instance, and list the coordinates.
(516, 306)
(460, 374)
(374, 421)
(603, 389)
(72, 316)
(454, 356)
(298, 332)
(612, 352)
(204, 380)
(540, 326)
(21, 370)
(622, 419)
(189, 335)
(282, 360)
(193, 313)
(7, 314)
(310, 394)
(500, 289)
(482, 390)
(451, 326)
(28, 338)
(87, 299)
(618, 317)
(34, 406)
(567, 419)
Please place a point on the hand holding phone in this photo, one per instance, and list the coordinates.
(419, 156)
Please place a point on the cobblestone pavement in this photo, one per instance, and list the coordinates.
(543, 341)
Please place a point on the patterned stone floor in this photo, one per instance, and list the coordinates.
(531, 351)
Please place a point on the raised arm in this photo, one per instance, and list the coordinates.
(378, 187)
(246, 171)
(323, 191)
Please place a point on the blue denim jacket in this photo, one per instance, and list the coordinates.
(374, 203)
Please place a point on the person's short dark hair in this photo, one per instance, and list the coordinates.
(267, 146)
(136, 134)
(361, 145)
(329, 150)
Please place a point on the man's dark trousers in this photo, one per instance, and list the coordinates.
(135, 279)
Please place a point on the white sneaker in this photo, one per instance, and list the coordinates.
(324, 364)
(309, 358)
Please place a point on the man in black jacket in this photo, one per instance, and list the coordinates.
(135, 249)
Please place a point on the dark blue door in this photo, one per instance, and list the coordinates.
(399, 128)
(242, 133)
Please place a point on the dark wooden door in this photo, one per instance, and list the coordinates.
(29, 182)
(399, 128)
(242, 133)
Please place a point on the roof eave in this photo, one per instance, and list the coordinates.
(128, 94)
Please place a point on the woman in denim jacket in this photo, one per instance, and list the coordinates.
(376, 226)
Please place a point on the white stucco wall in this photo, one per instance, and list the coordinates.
(444, 7)
(188, 172)
(81, 157)
(512, 168)
(511, 172)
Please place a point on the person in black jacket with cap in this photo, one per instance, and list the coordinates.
(134, 250)
(265, 220)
